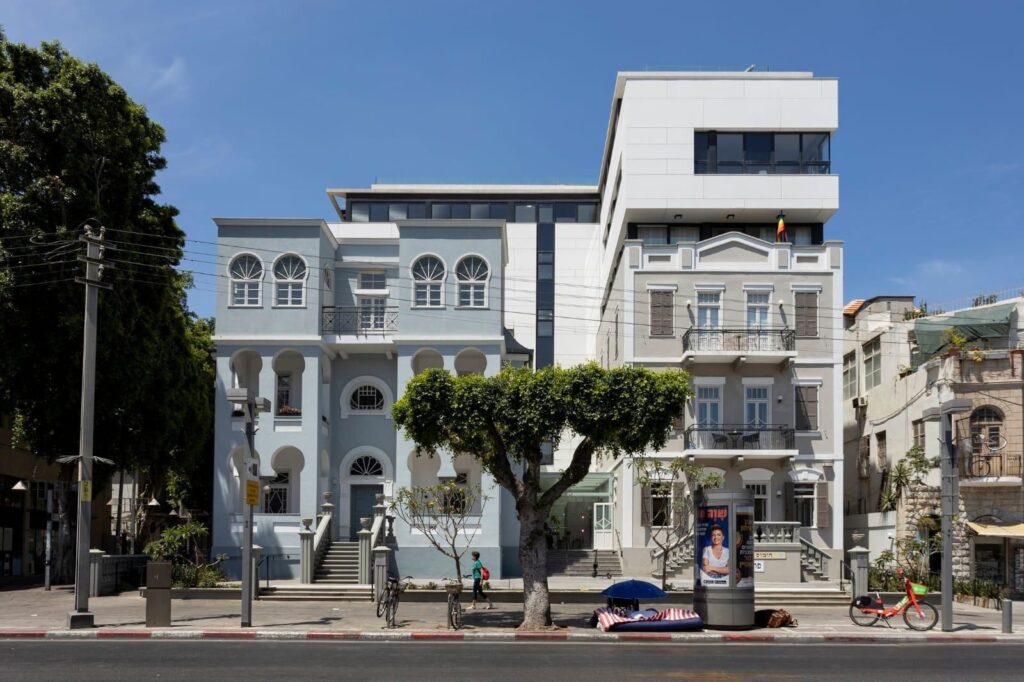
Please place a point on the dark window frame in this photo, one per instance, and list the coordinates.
(810, 160)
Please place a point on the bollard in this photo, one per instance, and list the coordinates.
(1007, 616)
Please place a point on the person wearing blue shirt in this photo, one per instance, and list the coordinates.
(478, 576)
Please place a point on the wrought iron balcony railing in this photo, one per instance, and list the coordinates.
(990, 465)
(739, 437)
(359, 320)
(738, 340)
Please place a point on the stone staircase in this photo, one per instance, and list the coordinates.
(813, 563)
(580, 562)
(340, 565)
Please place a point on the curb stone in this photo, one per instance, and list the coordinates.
(505, 636)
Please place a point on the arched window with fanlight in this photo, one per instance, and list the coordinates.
(428, 282)
(366, 398)
(246, 273)
(366, 465)
(986, 430)
(290, 278)
(472, 274)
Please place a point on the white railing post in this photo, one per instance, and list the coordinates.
(306, 560)
(365, 553)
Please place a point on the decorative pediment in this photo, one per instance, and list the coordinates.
(734, 248)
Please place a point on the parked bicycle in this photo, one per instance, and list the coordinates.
(454, 589)
(980, 451)
(388, 597)
(917, 614)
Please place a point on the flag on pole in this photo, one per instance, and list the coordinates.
(780, 231)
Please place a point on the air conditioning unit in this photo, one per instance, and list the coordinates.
(860, 401)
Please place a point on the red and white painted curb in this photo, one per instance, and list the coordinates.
(788, 637)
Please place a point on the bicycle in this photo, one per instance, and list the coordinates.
(866, 611)
(980, 452)
(388, 597)
(454, 589)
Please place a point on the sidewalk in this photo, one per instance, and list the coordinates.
(36, 613)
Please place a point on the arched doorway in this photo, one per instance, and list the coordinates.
(364, 472)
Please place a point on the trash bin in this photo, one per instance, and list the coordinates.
(158, 594)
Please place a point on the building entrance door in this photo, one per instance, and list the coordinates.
(363, 499)
(602, 525)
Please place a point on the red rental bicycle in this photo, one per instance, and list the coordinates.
(917, 614)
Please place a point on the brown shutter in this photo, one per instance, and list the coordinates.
(679, 506)
(790, 503)
(806, 308)
(661, 313)
(645, 506)
(822, 507)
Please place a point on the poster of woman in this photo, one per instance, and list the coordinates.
(713, 555)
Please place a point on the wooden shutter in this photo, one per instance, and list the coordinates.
(790, 502)
(679, 506)
(645, 506)
(661, 313)
(806, 308)
(821, 505)
(806, 408)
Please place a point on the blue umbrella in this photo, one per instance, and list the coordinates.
(634, 589)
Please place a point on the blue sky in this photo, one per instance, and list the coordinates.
(266, 104)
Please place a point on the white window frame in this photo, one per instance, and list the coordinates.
(799, 499)
(361, 289)
(758, 477)
(247, 282)
(876, 358)
(473, 284)
(766, 401)
(428, 285)
(717, 291)
(661, 486)
(353, 385)
(716, 383)
(290, 283)
(850, 376)
(373, 309)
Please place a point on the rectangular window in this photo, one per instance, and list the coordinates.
(708, 309)
(662, 323)
(545, 266)
(758, 305)
(700, 153)
(802, 236)
(803, 503)
(479, 211)
(460, 211)
(918, 427)
(586, 213)
(881, 452)
(245, 293)
(661, 505)
(565, 213)
(761, 153)
(760, 491)
(275, 499)
(371, 313)
(683, 234)
(872, 363)
(378, 213)
(806, 313)
(289, 294)
(545, 323)
(709, 406)
(730, 152)
(472, 295)
(806, 408)
(359, 212)
(440, 211)
(427, 295)
(787, 150)
(397, 212)
(757, 149)
(850, 375)
(499, 212)
(545, 213)
(653, 235)
(526, 213)
(284, 394)
(372, 280)
(756, 406)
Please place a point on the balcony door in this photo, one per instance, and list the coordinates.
(709, 316)
(756, 416)
(757, 320)
(708, 411)
(371, 313)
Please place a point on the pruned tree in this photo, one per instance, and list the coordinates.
(504, 421)
(443, 513)
(667, 504)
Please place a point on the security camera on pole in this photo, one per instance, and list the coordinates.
(250, 489)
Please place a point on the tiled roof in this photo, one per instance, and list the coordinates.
(853, 306)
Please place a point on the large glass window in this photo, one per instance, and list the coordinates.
(379, 213)
(545, 323)
(359, 212)
(586, 213)
(761, 153)
(428, 278)
(526, 213)
(372, 280)
(565, 213)
(872, 363)
(440, 211)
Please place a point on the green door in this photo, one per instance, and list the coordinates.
(363, 499)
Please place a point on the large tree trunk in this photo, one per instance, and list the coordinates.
(533, 557)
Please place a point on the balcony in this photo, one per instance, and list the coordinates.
(729, 440)
(751, 345)
(359, 320)
(985, 468)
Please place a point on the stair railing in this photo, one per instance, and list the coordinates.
(814, 557)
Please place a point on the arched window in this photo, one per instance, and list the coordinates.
(472, 273)
(986, 430)
(246, 274)
(428, 279)
(366, 398)
(290, 273)
(366, 466)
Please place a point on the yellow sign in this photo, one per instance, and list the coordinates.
(252, 492)
(769, 555)
(85, 487)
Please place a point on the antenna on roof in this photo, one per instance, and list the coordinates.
(750, 68)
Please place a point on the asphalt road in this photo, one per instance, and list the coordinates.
(213, 660)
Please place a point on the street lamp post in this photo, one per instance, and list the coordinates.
(250, 489)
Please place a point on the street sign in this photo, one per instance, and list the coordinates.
(86, 490)
(252, 492)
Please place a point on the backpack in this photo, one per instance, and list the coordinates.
(484, 573)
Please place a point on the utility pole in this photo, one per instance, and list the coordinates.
(93, 259)
(250, 490)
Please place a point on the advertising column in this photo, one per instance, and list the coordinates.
(723, 585)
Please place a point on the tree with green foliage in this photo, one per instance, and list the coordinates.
(75, 148)
(505, 420)
(910, 471)
(443, 513)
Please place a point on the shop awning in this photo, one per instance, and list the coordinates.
(998, 530)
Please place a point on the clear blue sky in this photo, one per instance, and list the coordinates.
(266, 104)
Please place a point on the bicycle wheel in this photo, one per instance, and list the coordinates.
(455, 614)
(980, 466)
(382, 600)
(392, 610)
(925, 620)
(862, 618)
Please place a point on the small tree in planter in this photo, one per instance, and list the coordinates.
(443, 513)
(180, 545)
(671, 526)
